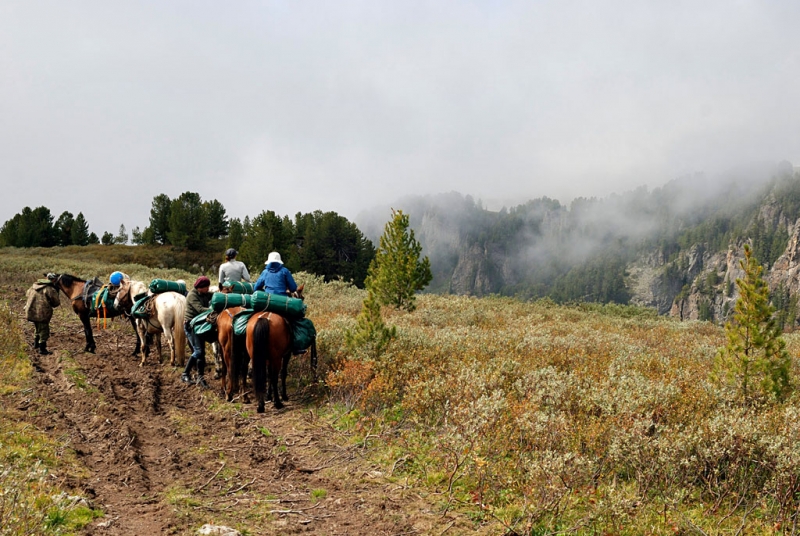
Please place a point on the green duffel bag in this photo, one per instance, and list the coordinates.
(239, 287)
(157, 286)
(291, 308)
(303, 334)
(140, 307)
(204, 328)
(240, 320)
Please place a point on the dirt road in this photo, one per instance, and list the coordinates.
(162, 457)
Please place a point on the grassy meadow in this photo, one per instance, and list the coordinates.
(532, 418)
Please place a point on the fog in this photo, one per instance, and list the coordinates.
(346, 106)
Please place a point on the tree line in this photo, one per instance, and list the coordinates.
(323, 243)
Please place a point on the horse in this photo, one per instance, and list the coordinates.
(269, 344)
(74, 287)
(233, 371)
(165, 315)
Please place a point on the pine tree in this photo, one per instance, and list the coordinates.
(159, 218)
(187, 222)
(80, 230)
(755, 359)
(371, 335)
(63, 226)
(122, 236)
(396, 272)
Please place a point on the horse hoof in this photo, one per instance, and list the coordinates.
(278, 405)
(285, 398)
(260, 408)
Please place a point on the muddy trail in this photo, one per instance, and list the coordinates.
(163, 457)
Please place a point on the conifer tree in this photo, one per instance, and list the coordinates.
(755, 359)
(80, 230)
(397, 272)
(371, 335)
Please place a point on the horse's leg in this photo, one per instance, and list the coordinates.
(231, 377)
(284, 370)
(158, 348)
(91, 347)
(144, 340)
(137, 350)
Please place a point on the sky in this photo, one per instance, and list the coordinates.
(343, 106)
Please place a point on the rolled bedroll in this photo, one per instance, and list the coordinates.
(259, 300)
(157, 286)
(240, 287)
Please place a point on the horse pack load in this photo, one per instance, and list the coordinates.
(157, 286)
(142, 303)
(241, 287)
(291, 308)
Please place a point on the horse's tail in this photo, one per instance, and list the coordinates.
(260, 356)
(178, 335)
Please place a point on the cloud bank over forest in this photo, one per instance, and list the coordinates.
(304, 106)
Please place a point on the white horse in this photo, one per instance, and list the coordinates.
(166, 312)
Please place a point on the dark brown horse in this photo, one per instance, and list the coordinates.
(73, 287)
(269, 343)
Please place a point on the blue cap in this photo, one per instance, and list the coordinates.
(116, 278)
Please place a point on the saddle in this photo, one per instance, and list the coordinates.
(143, 307)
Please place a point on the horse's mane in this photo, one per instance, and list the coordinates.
(68, 279)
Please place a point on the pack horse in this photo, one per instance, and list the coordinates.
(156, 314)
(91, 298)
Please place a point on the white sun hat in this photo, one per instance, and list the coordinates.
(274, 257)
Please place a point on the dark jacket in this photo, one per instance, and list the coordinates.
(41, 298)
(196, 303)
(276, 279)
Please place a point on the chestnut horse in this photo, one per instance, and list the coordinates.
(73, 288)
(268, 347)
(269, 343)
(233, 369)
(165, 315)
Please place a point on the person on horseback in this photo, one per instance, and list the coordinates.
(232, 270)
(41, 298)
(197, 301)
(276, 278)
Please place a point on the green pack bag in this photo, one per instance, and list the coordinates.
(303, 334)
(240, 320)
(240, 287)
(139, 308)
(157, 286)
(291, 308)
(202, 327)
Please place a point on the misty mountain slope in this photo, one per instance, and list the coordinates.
(674, 248)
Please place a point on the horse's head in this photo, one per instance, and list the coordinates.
(298, 293)
(128, 289)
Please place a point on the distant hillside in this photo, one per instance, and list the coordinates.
(675, 248)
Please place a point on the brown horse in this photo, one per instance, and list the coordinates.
(269, 343)
(234, 358)
(73, 287)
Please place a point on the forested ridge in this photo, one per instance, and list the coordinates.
(542, 248)
(194, 233)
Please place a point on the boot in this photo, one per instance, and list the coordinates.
(43, 349)
(185, 378)
(36, 343)
(201, 382)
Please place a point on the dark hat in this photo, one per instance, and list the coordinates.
(202, 281)
(231, 253)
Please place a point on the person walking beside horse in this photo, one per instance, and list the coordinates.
(42, 297)
(232, 270)
(197, 301)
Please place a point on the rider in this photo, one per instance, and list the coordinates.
(41, 298)
(276, 278)
(232, 270)
(197, 301)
